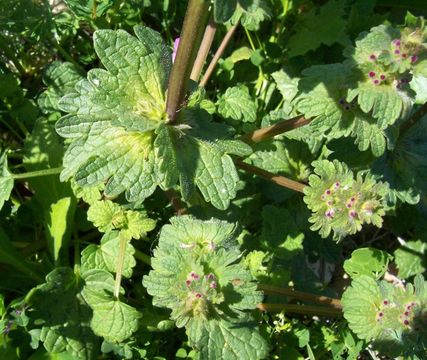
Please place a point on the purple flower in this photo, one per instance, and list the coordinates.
(175, 48)
(414, 58)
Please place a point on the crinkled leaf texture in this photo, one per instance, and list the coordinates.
(237, 104)
(198, 273)
(405, 168)
(392, 317)
(6, 180)
(61, 317)
(341, 203)
(119, 132)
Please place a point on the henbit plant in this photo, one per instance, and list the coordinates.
(199, 273)
(140, 124)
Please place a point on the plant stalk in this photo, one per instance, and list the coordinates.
(324, 300)
(37, 173)
(119, 266)
(277, 179)
(275, 129)
(175, 199)
(218, 55)
(143, 257)
(202, 55)
(301, 309)
(417, 116)
(191, 36)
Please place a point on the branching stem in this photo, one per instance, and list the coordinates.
(324, 300)
(37, 173)
(205, 46)
(191, 36)
(217, 56)
(275, 129)
(417, 116)
(277, 179)
(301, 309)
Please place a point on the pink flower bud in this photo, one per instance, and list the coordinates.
(372, 57)
(188, 282)
(175, 48)
(213, 285)
(198, 295)
(414, 58)
(371, 74)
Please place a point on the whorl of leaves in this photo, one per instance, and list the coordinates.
(199, 274)
(340, 203)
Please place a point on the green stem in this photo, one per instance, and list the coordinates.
(76, 244)
(417, 116)
(143, 257)
(319, 299)
(301, 309)
(119, 266)
(37, 173)
(191, 36)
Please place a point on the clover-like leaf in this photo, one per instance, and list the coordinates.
(394, 318)
(62, 317)
(112, 319)
(198, 274)
(6, 180)
(106, 255)
(341, 203)
(237, 104)
(120, 133)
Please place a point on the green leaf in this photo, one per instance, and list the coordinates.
(6, 180)
(43, 150)
(112, 319)
(58, 217)
(341, 203)
(106, 255)
(223, 10)
(405, 169)
(311, 31)
(367, 261)
(89, 9)
(120, 135)
(61, 315)
(223, 340)
(60, 79)
(237, 104)
(286, 157)
(410, 258)
(107, 215)
(287, 86)
(197, 273)
(388, 315)
(251, 14)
